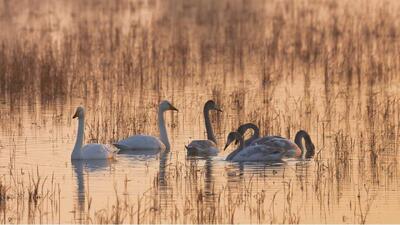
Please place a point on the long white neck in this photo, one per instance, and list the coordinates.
(163, 129)
(79, 138)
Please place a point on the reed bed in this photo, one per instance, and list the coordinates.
(329, 67)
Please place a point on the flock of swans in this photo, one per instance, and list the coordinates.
(255, 148)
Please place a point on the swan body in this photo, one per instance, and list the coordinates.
(209, 146)
(202, 147)
(89, 151)
(258, 153)
(253, 153)
(293, 149)
(146, 142)
(140, 142)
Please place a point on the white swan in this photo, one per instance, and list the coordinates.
(252, 153)
(89, 151)
(146, 142)
(209, 146)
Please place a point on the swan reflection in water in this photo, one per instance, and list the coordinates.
(82, 167)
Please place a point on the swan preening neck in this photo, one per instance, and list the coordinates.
(309, 149)
(210, 105)
(234, 136)
(256, 132)
(80, 114)
(164, 106)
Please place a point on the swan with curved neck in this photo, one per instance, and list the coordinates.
(146, 142)
(252, 153)
(309, 150)
(249, 126)
(209, 146)
(296, 149)
(89, 151)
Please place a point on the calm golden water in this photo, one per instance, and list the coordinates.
(39, 139)
(120, 71)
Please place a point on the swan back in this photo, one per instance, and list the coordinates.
(140, 142)
(292, 150)
(96, 151)
(259, 153)
(202, 147)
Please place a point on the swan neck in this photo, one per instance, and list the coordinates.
(210, 132)
(256, 133)
(241, 142)
(163, 129)
(79, 136)
(237, 150)
(298, 140)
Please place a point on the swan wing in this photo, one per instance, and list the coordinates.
(140, 142)
(257, 153)
(97, 151)
(292, 150)
(202, 147)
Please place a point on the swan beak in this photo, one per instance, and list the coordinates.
(226, 146)
(219, 110)
(173, 108)
(74, 116)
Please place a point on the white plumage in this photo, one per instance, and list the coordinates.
(147, 142)
(140, 142)
(89, 151)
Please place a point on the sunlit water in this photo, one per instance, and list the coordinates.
(40, 139)
(353, 178)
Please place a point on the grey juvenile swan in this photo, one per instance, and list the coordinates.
(209, 146)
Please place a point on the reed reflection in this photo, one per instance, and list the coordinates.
(82, 167)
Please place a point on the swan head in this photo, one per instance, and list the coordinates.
(79, 113)
(166, 105)
(210, 104)
(232, 137)
(310, 149)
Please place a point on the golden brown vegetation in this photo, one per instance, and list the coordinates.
(327, 66)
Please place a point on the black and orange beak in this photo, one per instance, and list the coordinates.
(75, 115)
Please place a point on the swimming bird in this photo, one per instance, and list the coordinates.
(147, 142)
(89, 151)
(295, 149)
(256, 132)
(209, 146)
(252, 153)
